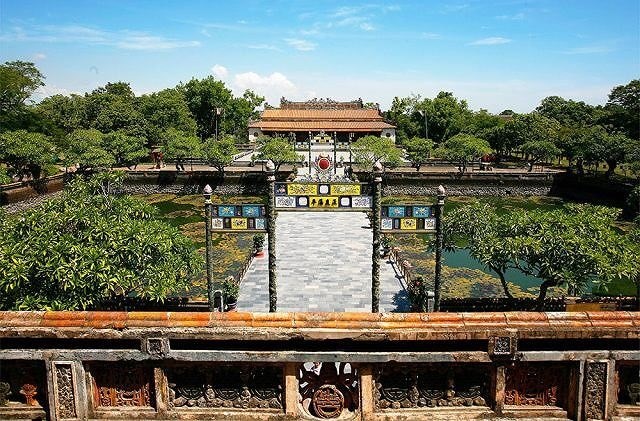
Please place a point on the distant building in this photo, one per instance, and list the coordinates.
(321, 121)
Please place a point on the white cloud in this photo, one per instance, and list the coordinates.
(430, 35)
(590, 49)
(301, 44)
(491, 41)
(252, 80)
(152, 43)
(263, 47)
(220, 71)
(122, 39)
(516, 16)
(39, 56)
(366, 26)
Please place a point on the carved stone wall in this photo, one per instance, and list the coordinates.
(328, 390)
(595, 390)
(430, 385)
(121, 385)
(65, 398)
(226, 386)
(539, 384)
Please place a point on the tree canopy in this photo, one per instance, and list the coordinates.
(220, 153)
(278, 150)
(570, 247)
(463, 149)
(369, 149)
(89, 246)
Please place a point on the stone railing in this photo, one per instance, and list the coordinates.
(159, 365)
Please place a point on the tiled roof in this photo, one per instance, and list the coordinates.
(327, 125)
(349, 115)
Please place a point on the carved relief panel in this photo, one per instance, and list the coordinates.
(328, 389)
(22, 384)
(225, 386)
(539, 384)
(400, 386)
(595, 389)
(121, 385)
(64, 388)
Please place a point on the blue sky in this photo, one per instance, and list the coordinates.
(495, 54)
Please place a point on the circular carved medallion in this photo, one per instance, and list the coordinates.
(328, 401)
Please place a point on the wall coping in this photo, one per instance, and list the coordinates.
(357, 326)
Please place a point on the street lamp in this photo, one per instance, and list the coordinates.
(426, 123)
(219, 111)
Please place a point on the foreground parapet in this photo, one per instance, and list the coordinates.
(178, 365)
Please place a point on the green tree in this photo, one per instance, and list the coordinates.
(26, 153)
(278, 150)
(539, 151)
(220, 153)
(89, 246)
(203, 96)
(178, 146)
(166, 109)
(65, 113)
(370, 149)
(86, 150)
(533, 127)
(418, 151)
(126, 150)
(446, 115)
(4, 176)
(238, 112)
(113, 107)
(18, 81)
(463, 149)
(567, 112)
(613, 148)
(622, 111)
(568, 247)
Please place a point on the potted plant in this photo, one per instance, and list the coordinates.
(230, 291)
(258, 245)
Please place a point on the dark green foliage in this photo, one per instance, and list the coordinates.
(26, 153)
(91, 245)
(463, 149)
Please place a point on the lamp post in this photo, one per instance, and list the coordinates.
(426, 123)
(219, 112)
(375, 225)
(271, 234)
(438, 275)
(309, 152)
(208, 211)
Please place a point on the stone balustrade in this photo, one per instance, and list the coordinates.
(180, 365)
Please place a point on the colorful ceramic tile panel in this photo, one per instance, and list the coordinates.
(285, 202)
(386, 224)
(260, 224)
(408, 224)
(345, 189)
(217, 223)
(430, 223)
(421, 211)
(396, 211)
(226, 211)
(296, 189)
(361, 202)
(239, 223)
(251, 211)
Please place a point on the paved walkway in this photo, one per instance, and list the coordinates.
(324, 264)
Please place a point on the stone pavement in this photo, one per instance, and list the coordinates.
(324, 264)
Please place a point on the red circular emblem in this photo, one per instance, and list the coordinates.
(324, 163)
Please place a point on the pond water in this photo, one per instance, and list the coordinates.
(462, 259)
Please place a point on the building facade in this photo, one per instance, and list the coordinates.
(321, 121)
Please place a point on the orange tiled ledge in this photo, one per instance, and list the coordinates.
(620, 320)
